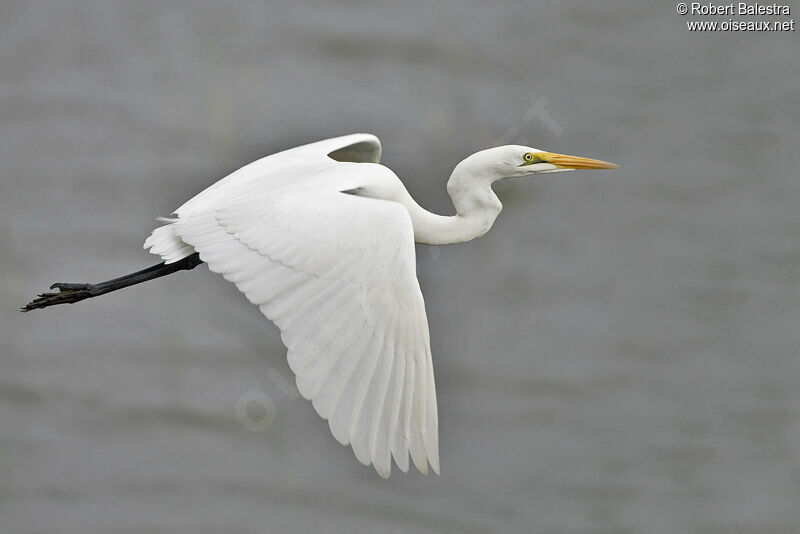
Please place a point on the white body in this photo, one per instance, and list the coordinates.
(321, 238)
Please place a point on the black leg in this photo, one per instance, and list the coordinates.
(70, 293)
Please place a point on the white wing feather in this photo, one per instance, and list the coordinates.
(337, 275)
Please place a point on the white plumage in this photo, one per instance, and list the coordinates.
(321, 239)
(356, 331)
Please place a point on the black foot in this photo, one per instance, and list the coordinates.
(71, 293)
(67, 294)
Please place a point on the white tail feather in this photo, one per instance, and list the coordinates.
(165, 242)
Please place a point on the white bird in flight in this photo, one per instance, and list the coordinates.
(321, 238)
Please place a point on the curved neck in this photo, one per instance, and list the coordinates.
(476, 205)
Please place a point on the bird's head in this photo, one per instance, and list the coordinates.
(524, 160)
(516, 160)
(470, 185)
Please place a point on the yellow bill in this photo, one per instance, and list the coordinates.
(573, 162)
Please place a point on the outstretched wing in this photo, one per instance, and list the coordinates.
(337, 275)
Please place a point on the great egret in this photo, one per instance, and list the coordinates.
(321, 238)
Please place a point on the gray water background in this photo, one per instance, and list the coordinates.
(618, 355)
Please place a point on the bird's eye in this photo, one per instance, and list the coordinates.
(528, 156)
